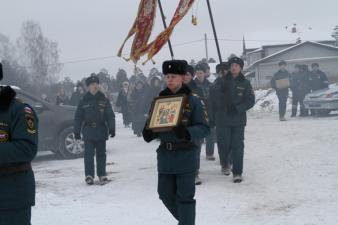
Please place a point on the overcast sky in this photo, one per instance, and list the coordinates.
(88, 29)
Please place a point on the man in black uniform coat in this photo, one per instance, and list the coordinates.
(95, 118)
(229, 101)
(318, 79)
(18, 147)
(177, 155)
(282, 93)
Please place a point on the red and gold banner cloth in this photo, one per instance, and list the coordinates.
(142, 29)
(154, 47)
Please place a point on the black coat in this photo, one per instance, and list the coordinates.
(233, 93)
(18, 145)
(278, 76)
(318, 80)
(94, 109)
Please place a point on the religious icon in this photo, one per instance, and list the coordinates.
(166, 113)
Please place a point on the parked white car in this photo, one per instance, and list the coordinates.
(323, 101)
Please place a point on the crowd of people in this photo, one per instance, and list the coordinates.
(301, 82)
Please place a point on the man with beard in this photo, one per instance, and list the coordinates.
(177, 154)
(18, 147)
(229, 102)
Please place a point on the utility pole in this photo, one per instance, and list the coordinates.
(206, 46)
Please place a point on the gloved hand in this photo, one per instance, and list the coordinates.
(77, 136)
(148, 135)
(232, 110)
(112, 133)
(182, 132)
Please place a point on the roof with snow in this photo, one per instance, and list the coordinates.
(290, 49)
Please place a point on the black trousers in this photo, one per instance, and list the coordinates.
(92, 147)
(298, 99)
(16, 216)
(210, 143)
(230, 142)
(177, 192)
(282, 99)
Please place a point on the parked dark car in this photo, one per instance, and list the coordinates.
(55, 126)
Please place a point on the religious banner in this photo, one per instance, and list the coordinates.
(142, 29)
(154, 47)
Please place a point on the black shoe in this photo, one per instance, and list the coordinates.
(89, 180)
(198, 180)
(210, 158)
(103, 180)
(237, 179)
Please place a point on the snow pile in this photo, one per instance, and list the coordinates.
(267, 101)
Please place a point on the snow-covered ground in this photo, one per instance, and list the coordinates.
(291, 178)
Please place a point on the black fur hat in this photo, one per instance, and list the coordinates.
(191, 70)
(175, 67)
(222, 66)
(201, 67)
(92, 79)
(237, 60)
(1, 74)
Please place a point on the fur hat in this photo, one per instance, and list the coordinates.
(178, 67)
(222, 66)
(236, 60)
(92, 79)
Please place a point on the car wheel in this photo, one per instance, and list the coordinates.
(69, 148)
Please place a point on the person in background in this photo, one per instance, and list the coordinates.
(318, 79)
(229, 102)
(62, 98)
(201, 71)
(177, 154)
(122, 103)
(95, 119)
(139, 107)
(77, 95)
(282, 92)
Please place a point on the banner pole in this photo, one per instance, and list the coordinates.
(165, 27)
(214, 30)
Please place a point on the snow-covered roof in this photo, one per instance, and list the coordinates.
(289, 49)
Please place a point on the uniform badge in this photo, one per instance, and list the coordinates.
(4, 136)
(30, 124)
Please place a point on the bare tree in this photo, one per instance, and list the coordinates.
(40, 55)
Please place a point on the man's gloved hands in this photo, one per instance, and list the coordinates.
(77, 136)
(232, 110)
(148, 135)
(112, 133)
(182, 132)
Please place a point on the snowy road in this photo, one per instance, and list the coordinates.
(291, 178)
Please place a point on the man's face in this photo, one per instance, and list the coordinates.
(139, 86)
(315, 68)
(187, 78)
(222, 73)
(200, 75)
(174, 81)
(282, 67)
(235, 69)
(207, 73)
(93, 88)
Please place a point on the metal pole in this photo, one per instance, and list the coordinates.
(165, 27)
(206, 46)
(214, 30)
